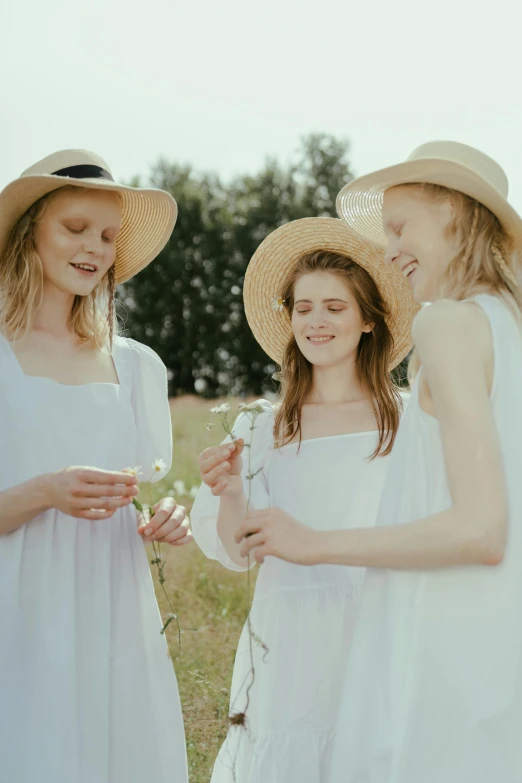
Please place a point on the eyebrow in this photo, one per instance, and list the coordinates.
(309, 301)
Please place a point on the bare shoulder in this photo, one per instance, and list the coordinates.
(448, 325)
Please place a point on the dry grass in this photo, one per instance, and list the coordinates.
(211, 603)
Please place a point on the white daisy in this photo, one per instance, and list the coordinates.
(278, 304)
(159, 466)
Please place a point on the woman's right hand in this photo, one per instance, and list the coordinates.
(89, 493)
(221, 466)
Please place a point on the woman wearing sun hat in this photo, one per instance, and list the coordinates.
(433, 691)
(322, 305)
(87, 689)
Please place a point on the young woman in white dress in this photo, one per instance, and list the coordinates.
(433, 691)
(321, 304)
(87, 689)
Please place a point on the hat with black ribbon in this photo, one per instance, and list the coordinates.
(148, 214)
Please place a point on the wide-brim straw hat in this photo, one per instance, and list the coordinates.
(447, 163)
(277, 255)
(148, 215)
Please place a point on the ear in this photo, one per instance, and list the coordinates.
(368, 327)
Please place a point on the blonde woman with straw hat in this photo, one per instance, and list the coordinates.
(322, 305)
(87, 689)
(434, 685)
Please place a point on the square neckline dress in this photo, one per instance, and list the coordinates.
(304, 614)
(87, 688)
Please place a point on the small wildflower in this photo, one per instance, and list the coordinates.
(209, 426)
(278, 304)
(251, 407)
(159, 466)
(218, 409)
(180, 488)
(193, 492)
(134, 471)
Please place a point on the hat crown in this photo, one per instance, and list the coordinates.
(469, 157)
(64, 159)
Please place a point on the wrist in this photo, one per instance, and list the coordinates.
(41, 494)
(323, 548)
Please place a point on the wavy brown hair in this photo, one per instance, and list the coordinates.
(373, 353)
(92, 317)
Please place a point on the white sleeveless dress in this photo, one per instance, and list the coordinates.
(433, 692)
(304, 614)
(87, 690)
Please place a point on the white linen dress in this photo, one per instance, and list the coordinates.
(433, 692)
(87, 689)
(304, 614)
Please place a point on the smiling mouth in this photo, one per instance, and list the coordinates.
(85, 267)
(409, 268)
(321, 340)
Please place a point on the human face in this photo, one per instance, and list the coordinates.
(326, 319)
(76, 239)
(418, 241)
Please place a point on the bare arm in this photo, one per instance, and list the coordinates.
(454, 343)
(85, 493)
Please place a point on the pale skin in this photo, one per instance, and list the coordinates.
(327, 325)
(454, 344)
(77, 230)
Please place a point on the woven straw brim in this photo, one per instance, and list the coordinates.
(148, 216)
(359, 203)
(277, 255)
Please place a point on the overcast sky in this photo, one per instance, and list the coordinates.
(222, 84)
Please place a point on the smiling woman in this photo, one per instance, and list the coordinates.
(319, 303)
(85, 678)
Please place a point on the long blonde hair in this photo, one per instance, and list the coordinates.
(92, 317)
(373, 353)
(487, 257)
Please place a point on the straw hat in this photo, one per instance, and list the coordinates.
(446, 163)
(149, 215)
(277, 254)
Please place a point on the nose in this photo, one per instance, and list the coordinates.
(392, 252)
(318, 320)
(93, 243)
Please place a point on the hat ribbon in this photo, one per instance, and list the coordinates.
(84, 171)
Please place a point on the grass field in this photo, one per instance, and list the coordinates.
(210, 601)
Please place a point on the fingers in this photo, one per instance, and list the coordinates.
(212, 461)
(158, 532)
(253, 541)
(177, 535)
(248, 528)
(99, 476)
(88, 504)
(185, 540)
(212, 476)
(105, 490)
(219, 487)
(94, 514)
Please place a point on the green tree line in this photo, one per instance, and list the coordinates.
(187, 305)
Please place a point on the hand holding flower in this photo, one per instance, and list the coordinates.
(168, 524)
(221, 466)
(273, 532)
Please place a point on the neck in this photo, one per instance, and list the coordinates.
(336, 384)
(54, 312)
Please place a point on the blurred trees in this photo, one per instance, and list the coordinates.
(187, 305)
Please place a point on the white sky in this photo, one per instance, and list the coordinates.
(222, 83)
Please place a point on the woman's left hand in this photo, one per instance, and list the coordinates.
(273, 532)
(169, 524)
